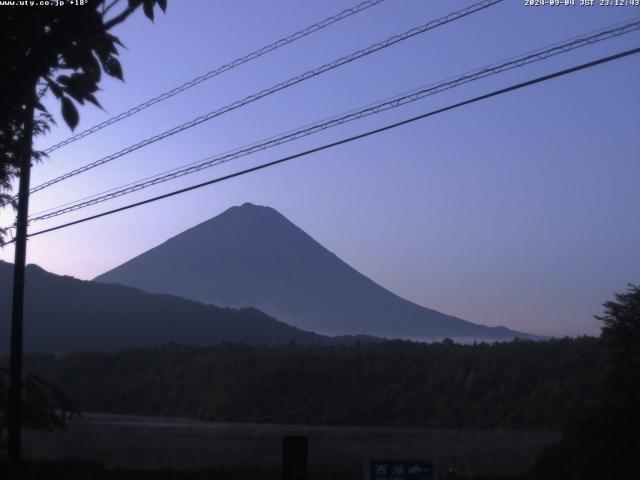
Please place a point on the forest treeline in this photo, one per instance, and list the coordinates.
(519, 384)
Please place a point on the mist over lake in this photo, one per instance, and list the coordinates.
(168, 442)
(285, 240)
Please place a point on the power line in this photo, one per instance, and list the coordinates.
(594, 37)
(394, 102)
(494, 93)
(276, 88)
(514, 62)
(219, 70)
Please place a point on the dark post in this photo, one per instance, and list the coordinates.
(294, 457)
(15, 390)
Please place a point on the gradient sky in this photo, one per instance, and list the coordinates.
(520, 211)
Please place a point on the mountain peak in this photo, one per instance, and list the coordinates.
(248, 208)
(253, 256)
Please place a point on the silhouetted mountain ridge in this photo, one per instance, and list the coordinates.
(64, 314)
(253, 256)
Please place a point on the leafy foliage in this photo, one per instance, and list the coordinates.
(604, 441)
(621, 337)
(59, 50)
(519, 384)
(45, 406)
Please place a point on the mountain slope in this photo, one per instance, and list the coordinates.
(253, 256)
(64, 314)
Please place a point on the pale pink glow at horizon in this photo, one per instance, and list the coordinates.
(521, 211)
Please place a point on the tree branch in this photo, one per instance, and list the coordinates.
(118, 19)
(105, 9)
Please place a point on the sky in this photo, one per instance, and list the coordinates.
(522, 210)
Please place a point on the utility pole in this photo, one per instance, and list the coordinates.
(17, 306)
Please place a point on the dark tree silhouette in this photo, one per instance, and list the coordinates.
(63, 50)
(520, 384)
(57, 49)
(621, 337)
(45, 407)
(604, 442)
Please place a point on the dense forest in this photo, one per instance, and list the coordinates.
(519, 384)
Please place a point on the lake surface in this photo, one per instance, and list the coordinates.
(161, 442)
